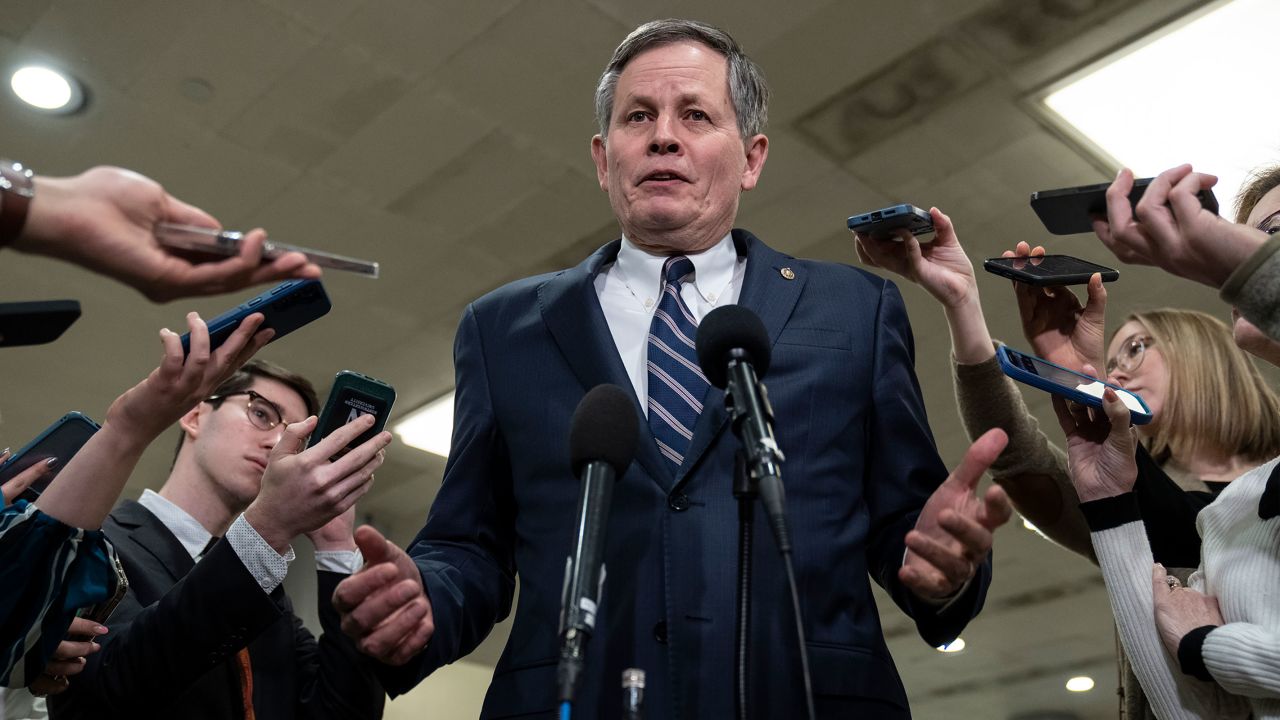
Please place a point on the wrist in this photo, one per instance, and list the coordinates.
(273, 533)
(347, 544)
(16, 192)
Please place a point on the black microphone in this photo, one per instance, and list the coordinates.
(602, 443)
(733, 351)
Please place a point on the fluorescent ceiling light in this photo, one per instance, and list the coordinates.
(430, 427)
(1080, 683)
(1199, 94)
(47, 89)
(954, 646)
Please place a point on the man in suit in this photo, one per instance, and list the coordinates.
(681, 112)
(206, 630)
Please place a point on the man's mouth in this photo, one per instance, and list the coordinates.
(663, 176)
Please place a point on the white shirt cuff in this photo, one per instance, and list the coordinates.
(347, 562)
(267, 566)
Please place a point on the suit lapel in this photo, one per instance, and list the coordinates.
(772, 296)
(571, 310)
(154, 539)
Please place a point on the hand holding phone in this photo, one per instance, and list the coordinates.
(1048, 270)
(36, 465)
(1078, 387)
(885, 223)
(285, 308)
(354, 395)
(1072, 210)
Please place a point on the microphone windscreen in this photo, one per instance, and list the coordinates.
(604, 428)
(729, 328)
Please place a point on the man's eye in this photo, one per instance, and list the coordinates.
(697, 115)
(636, 116)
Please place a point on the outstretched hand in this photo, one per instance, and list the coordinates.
(940, 267)
(1059, 328)
(1100, 445)
(954, 531)
(384, 607)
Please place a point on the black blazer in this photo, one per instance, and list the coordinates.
(861, 463)
(171, 649)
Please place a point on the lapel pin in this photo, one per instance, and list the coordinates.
(788, 273)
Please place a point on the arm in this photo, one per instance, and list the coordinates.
(104, 220)
(1253, 288)
(334, 679)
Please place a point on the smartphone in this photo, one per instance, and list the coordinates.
(1086, 390)
(286, 307)
(100, 612)
(36, 323)
(353, 395)
(212, 241)
(884, 223)
(1068, 211)
(1048, 270)
(61, 440)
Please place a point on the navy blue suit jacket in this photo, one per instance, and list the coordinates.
(860, 464)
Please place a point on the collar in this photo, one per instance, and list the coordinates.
(713, 268)
(185, 528)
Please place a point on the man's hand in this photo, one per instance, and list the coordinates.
(1179, 610)
(953, 534)
(337, 533)
(384, 607)
(1170, 229)
(940, 267)
(105, 218)
(1059, 328)
(302, 490)
(1100, 446)
(25, 479)
(69, 658)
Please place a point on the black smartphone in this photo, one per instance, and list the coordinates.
(61, 440)
(1068, 211)
(353, 395)
(1048, 270)
(884, 223)
(285, 307)
(36, 323)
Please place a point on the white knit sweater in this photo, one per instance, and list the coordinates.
(1240, 566)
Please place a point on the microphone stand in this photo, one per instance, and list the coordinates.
(744, 489)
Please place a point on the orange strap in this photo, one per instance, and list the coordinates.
(246, 682)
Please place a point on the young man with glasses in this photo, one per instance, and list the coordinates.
(206, 629)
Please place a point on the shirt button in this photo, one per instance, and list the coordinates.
(711, 297)
(678, 502)
(660, 632)
(648, 302)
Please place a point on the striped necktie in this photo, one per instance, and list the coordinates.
(676, 383)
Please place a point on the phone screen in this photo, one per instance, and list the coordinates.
(1076, 381)
(348, 405)
(1050, 266)
(62, 441)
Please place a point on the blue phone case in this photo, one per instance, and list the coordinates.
(285, 307)
(1022, 367)
(62, 440)
(883, 222)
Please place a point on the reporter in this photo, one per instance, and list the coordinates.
(104, 220)
(52, 551)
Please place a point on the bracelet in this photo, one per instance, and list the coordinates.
(18, 189)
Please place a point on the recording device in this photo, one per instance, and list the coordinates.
(36, 323)
(884, 223)
(1067, 211)
(212, 241)
(61, 440)
(633, 694)
(285, 308)
(1048, 270)
(100, 612)
(1086, 390)
(602, 444)
(354, 395)
(733, 352)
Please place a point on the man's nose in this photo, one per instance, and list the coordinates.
(664, 140)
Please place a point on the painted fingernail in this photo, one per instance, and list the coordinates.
(51, 462)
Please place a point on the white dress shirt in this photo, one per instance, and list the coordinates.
(631, 288)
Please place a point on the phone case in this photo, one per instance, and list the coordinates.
(996, 267)
(1011, 365)
(36, 323)
(883, 222)
(40, 448)
(371, 387)
(1070, 211)
(286, 307)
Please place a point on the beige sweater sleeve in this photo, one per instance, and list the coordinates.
(1031, 469)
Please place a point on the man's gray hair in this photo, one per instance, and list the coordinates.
(747, 88)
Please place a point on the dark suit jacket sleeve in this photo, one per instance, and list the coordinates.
(334, 679)
(466, 549)
(151, 655)
(903, 470)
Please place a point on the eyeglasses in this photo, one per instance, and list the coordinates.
(261, 412)
(1270, 224)
(1131, 354)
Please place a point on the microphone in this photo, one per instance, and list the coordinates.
(733, 352)
(602, 443)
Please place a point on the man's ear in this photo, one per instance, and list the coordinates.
(191, 422)
(601, 160)
(757, 152)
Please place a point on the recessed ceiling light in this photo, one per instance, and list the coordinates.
(954, 646)
(1152, 106)
(1080, 683)
(47, 89)
(1030, 525)
(430, 427)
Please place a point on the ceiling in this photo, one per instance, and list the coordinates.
(449, 141)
